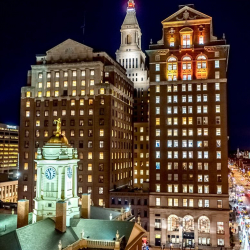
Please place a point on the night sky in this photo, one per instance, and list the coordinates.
(32, 27)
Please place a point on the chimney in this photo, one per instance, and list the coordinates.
(61, 207)
(22, 213)
(85, 206)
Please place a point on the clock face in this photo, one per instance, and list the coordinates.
(50, 173)
(69, 172)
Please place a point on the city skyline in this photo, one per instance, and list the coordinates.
(37, 32)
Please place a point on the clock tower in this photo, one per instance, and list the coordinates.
(56, 178)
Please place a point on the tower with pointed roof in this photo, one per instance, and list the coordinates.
(130, 54)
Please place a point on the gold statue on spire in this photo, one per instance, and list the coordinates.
(58, 126)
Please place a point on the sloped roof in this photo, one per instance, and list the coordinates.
(103, 229)
(38, 236)
(101, 213)
(130, 18)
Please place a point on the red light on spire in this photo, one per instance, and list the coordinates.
(131, 4)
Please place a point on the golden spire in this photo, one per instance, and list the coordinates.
(58, 127)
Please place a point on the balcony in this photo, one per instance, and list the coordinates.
(186, 47)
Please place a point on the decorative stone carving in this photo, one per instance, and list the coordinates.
(186, 16)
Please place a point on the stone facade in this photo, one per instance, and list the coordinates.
(188, 133)
(92, 95)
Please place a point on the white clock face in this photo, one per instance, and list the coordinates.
(50, 173)
(69, 172)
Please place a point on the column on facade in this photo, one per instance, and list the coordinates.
(38, 182)
(65, 183)
(164, 230)
(87, 81)
(70, 75)
(52, 86)
(196, 232)
(78, 82)
(74, 188)
(61, 82)
(213, 231)
(59, 187)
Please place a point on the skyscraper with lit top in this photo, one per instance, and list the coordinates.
(188, 134)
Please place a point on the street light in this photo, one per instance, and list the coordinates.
(170, 246)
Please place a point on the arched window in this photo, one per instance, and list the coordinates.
(201, 71)
(186, 37)
(203, 224)
(188, 223)
(173, 223)
(187, 71)
(171, 42)
(172, 70)
(129, 39)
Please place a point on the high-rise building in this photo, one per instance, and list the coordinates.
(132, 58)
(92, 95)
(9, 138)
(188, 134)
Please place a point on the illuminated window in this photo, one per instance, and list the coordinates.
(56, 93)
(89, 178)
(27, 104)
(91, 92)
(201, 39)
(57, 84)
(157, 78)
(92, 72)
(217, 64)
(217, 86)
(65, 84)
(201, 72)
(217, 75)
(172, 69)
(101, 155)
(83, 82)
(72, 112)
(74, 92)
(157, 67)
(101, 132)
(157, 201)
(187, 68)
(40, 75)
(48, 84)
(217, 109)
(26, 166)
(83, 92)
(218, 131)
(90, 155)
(102, 91)
(157, 121)
(39, 94)
(171, 42)
(92, 82)
(40, 85)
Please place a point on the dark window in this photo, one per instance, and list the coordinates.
(90, 122)
(113, 201)
(64, 102)
(26, 144)
(101, 122)
(119, 201)
(101, 112)
(80, 144)
(37, 144)
(63, 122)
(65, 92)
(132, 202)
(55, 102)
(72, 122)
(145, 202)
(46, 123)
(47, 103)
(139, 202)
(141, 146)
(25, 177)
(101, 167)
(27, 123)
(72, 143)
(38, 103)
(126, 202)
(145, 213)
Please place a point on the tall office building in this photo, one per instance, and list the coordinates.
(132, 58)
(9, 138)
(92, 95)
(188, 134)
